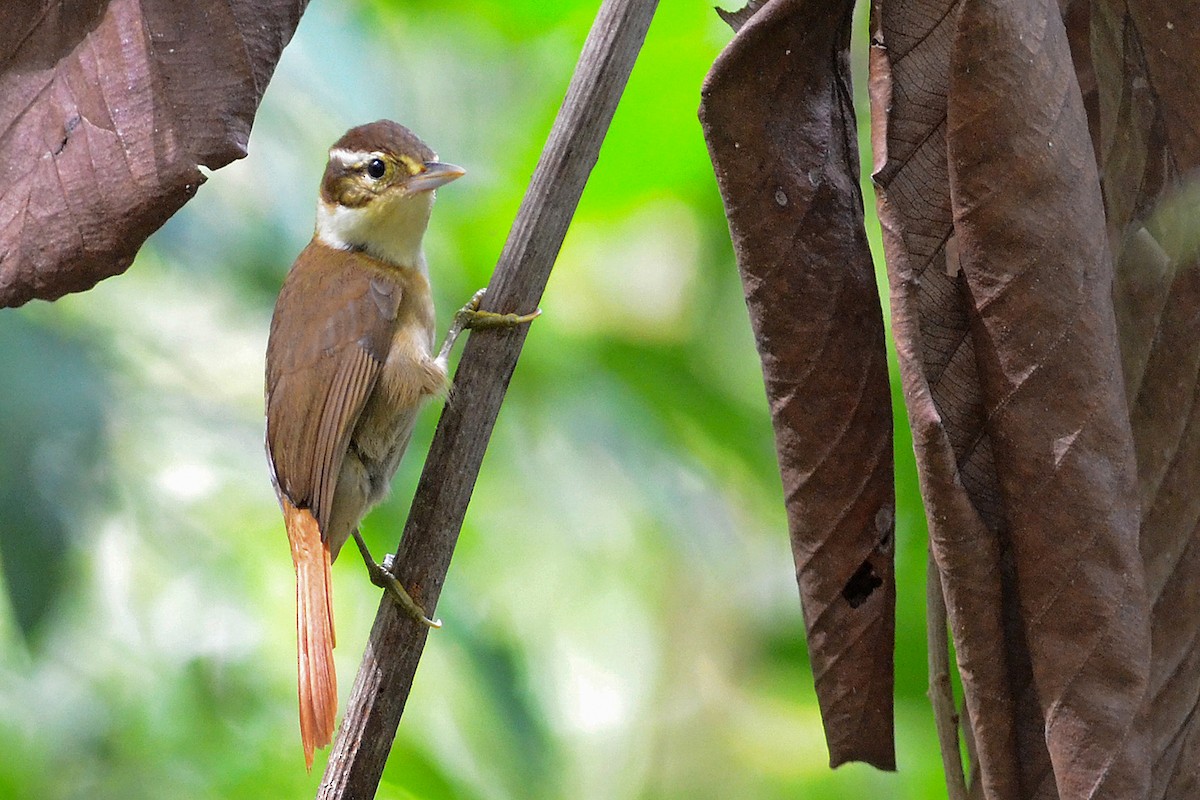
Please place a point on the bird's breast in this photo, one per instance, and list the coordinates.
(410, 374)
(409, 378)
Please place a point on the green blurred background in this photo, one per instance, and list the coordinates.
(621, 616)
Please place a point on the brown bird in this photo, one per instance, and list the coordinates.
(350, 363)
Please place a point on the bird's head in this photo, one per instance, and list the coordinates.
(377, 192)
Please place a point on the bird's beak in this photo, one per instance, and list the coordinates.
(436, 174)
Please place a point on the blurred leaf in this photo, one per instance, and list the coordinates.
(51, 447)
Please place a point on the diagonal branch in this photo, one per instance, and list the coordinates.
(396, 642)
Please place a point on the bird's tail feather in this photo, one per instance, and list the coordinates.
(314, 630)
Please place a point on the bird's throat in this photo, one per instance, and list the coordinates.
(390, 230)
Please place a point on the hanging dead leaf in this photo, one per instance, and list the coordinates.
(106, 109)
(931, 322)
(1149, 123)
(790, 186)
(1030, 221)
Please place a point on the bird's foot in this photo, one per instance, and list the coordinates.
(382, 576)
(469, 316)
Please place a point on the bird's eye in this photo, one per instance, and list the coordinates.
(376, 168)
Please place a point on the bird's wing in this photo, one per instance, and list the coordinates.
(329, 340)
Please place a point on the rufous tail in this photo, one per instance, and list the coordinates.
(314, 630)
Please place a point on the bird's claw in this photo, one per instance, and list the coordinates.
(470, 317)
(383, 577)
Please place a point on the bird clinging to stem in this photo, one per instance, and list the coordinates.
(350, 363)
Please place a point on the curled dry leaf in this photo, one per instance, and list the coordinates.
(106, 109)
(789, 182)
(1077, 18)
(1149, 129)
(1053, 399)
(1030, 221)
(931, 322)
(1013, 378)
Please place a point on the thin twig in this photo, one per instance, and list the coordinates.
(396, 642)
(941, 691)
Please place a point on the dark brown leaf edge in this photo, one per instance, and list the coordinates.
(106, 109)
(778, 117)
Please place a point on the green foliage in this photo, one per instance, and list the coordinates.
(621, 616)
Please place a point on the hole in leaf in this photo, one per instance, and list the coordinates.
(861, 584)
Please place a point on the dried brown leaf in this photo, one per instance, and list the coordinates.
(1149, 118)
(736, 19)
(778, 117)
(106, 109)
(931, 321)
(1030, 221)
(1009, 355)
(1077, 18)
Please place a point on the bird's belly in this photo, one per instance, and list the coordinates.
(410, 377)
(379, 443)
